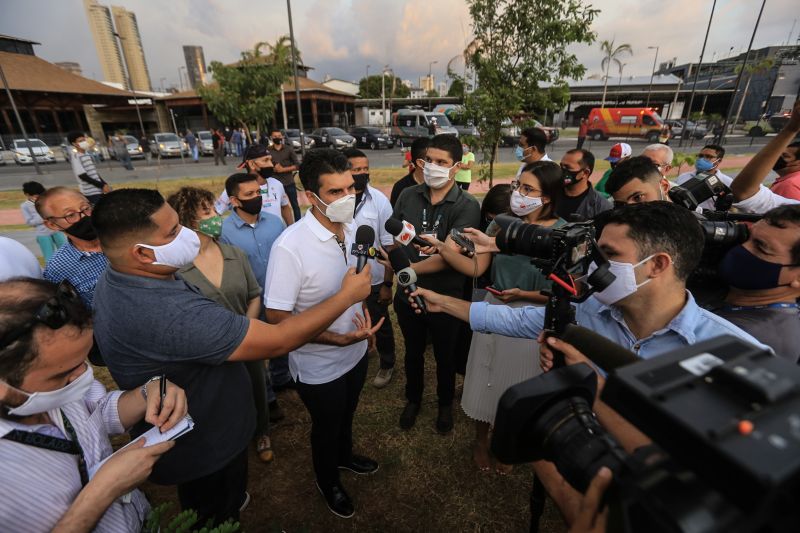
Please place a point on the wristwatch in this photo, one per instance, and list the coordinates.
(389, 284)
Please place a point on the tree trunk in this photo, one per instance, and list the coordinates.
(491, 163)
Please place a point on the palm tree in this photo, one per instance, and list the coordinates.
(756, 69)
(612, 55)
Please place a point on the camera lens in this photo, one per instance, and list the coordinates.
(725, 233)
(517, 237)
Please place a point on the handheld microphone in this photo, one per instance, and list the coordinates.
(406, 276)
(404, 232)
(363, 248)
(605, 353)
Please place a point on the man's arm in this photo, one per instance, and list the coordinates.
(268, 340)
(287, 214)
(747, 182)
(132, 406)
(364, 330)
(97, 183)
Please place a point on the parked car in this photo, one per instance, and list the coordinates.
(695, 130)
(643, 122)
(135, 150)
(778, 120)
(205, 144)
(68, 150)
(168, 145)
(371, 137)
(293, 139)
(2, 161)
(332, 137)
(410, 124)
(510, 132)
(25, 150)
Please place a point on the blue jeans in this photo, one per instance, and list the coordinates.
(291, 192)
(195, 153)
(50, 243)
(279, 370)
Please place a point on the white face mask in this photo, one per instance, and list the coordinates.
(180, 252)
(83, 145)
(42, 402)
(522, 205)
(341, 211)
(435, 176)
(624, 285)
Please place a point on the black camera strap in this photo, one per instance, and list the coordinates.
(55, 444)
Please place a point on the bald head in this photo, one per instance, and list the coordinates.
(56, 202)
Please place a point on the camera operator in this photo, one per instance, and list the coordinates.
(55, 419)
(781, 155)
(652, 248)
(708, 161)
(764, 278)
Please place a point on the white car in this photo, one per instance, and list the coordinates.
(26, 150)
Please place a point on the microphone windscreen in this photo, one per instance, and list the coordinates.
(393, 226)
(399, 259)
(365, 235)
(605, 353)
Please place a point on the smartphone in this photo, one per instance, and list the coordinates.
(462, 240)
(494, 291)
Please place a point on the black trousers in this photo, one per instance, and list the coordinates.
(384, 338)
(218, 495)
(443, 330)
(581, 140)
(332, 406)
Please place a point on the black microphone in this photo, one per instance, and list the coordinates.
(406, 276)
(404, 232)
(363, 248)
(605, 353)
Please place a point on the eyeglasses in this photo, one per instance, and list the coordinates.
(53, 313)
(72, 218)
(523, 189)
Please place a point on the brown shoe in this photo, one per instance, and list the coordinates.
(264, 449)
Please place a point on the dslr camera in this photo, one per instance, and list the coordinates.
(702, 187)
(724, 417)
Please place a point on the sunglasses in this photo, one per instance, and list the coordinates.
(53, 313)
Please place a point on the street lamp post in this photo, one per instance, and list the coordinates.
(162, 80)
(430, 81)
(383, 96)
(652, 73)
(296, 83)
(696, 74)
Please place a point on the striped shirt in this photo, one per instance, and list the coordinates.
(39, 485)
(82, 269)
(83, 164)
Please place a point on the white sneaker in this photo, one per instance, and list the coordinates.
(383, 378)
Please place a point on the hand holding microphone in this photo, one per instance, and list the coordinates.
(406, 277)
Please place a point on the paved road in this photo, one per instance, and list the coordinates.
(12, 176)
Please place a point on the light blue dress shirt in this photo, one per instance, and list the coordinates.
(692, 325)
(256, 240)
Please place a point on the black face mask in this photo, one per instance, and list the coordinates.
(265, 173)
(251, 206)
(82, 229)
(277, 141)
(780, 164)
(569, 177)
(361, 181)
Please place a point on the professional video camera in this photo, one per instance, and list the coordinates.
(725, 419)
(700, 188)
(563, 255)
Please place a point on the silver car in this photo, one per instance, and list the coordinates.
(205, 143)
(26, 150)
(135, 150)
(168, 145)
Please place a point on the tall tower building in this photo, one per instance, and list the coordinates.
(195, 65)
(128, 29)
(104, 41)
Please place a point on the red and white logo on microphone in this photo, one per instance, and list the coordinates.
(407, 234)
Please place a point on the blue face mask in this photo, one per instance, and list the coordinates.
(703, 165)
(519, 153)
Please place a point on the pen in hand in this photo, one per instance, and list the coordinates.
(162, 382)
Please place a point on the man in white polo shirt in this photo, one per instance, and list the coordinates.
(307, 264)
(258, 162)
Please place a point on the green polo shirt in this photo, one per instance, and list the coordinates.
(458, 210)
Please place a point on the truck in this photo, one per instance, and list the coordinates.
(410, 124)
(643, 122)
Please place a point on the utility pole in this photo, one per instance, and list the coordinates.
(696, 74)
(19, 121)
(296, 83)
(652, 73)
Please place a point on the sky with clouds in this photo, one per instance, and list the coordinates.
(342, 37)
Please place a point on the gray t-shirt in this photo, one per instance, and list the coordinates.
(146, 326)
(777, 328)
(284, 157)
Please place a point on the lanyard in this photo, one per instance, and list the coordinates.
(425, 221)
(55, 444)
(754, 307)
